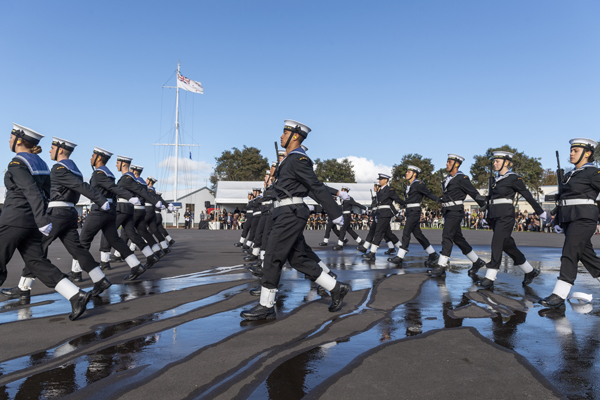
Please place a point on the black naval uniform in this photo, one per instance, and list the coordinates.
(578, 216)
(347, 206)
(248, 214)
(365, 246)
(158, 219)
(266, 218)
(151, 217)
(295, 177)
(414, 196)
(139, 214)
(385, 198)
(27, 182)
(328, 228)
(255, 219)
(501, 216)
(104, 181)
(67, 185)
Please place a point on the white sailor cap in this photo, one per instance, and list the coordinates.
(102, 152)
(456, 157)
(304, 147)
(268, 172)
(346, 188)
(384, 176)
(273, 164)
(585, 143)
(296, 127)
(138, 168)
(124, 159)
(25, 133)
(257, 189)
(376, 183)
(250, 193)
(64, 144)
(503, 155)
(414, 168)
(281, 153)
(151, 179)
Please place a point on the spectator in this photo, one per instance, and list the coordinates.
(187, 217)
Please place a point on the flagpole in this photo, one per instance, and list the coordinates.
(177, 143)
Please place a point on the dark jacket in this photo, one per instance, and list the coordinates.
(505, 187)
(582, 183)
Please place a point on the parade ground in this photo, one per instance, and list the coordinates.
(176, 332)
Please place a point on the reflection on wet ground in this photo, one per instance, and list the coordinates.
(561, 345)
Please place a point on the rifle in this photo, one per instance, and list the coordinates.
(276, 156)
(560, 173)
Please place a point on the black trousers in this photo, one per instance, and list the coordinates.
(266, 232)
(28, 241)
(139, 222)
(253, 227)
(452, 234)
(151, 224)
(128, 232)
(502, 241)
(97, 221)
(578, 247)
(260, 229)
(347, 228)
(413, 225)
(159, 224)
(331, 227)
(384, 229)
(371, 234)
(286, 242)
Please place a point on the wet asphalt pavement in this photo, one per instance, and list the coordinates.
(176, 333)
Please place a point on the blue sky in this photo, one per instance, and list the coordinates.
(374, 80)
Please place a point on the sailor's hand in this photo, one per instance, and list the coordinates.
(544, 215)
(171, 207)
(339, 220)
(135, 201)
(343, 195)
(105, 206)
(558, 229)
(46, 229)
(159, 204)
(311, 208)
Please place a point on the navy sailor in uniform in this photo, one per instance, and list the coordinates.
(456, 188)
(577, 218)
(501, 215)
(157, 221)
(347, 206)
(294, 179)
(415, 191)
(24, 222)
(98, 219)
(248, 222)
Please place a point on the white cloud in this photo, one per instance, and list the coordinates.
(366, 170)
(191, 173)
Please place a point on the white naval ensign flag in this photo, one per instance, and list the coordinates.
(188, 84)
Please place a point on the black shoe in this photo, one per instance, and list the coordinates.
(255, 270)
(345, 241)
(337, 295)
(151, 260)
(114, 258)
(322, 292)
(78, 304)
(167, 250)
(160, 254)
(75, 276)
(104, 266)
(529, 276)
(389, 252)
(361, 248)
(485, 283)
(135, 272)
(323, 244)
(432, 260)
(396, 260)
(338, 247)
(251, 257)
(437, 272)
(553, 301)
(100, 287)
(237, 244)
(369, 257)
(477, 265)
(258, 312)
(172, 242)
(16, 293)
(331, 274)
(256, 291)
(246, 247)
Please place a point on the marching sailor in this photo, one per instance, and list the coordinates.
(347, 206)
(247, 223)
(150, 181)
(256, 204)
(98, 220)
(501, 215)
(577, 218)
(23, 221)
(265, 214)
(294, 179)
(456, 188)
(385, 198)
(415, 191)
(366, 245)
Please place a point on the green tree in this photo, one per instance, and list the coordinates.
(432, 180)
(529, 168)
(239, 165)
(548, 177)
(333, 170)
